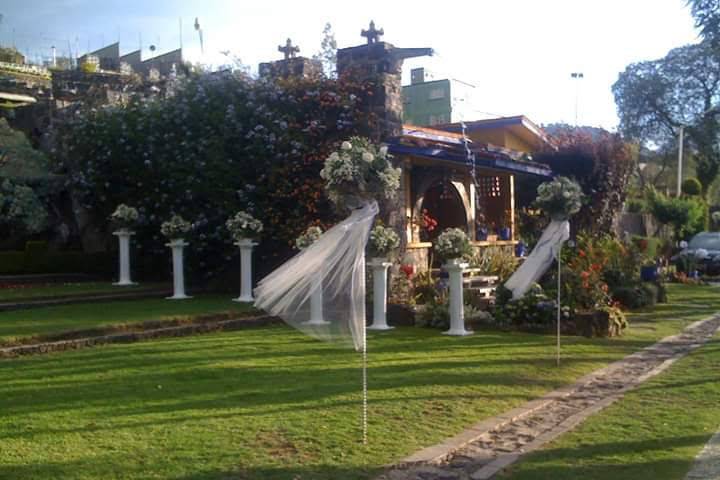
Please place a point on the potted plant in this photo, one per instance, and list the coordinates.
(453, 246)
(308, 238)
(383, 241)
(505, 230)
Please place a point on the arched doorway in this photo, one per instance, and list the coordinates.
(443, 203)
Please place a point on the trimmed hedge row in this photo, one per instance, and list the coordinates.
(38, 259)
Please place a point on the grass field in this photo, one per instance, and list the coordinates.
(19, 324)
(654, 432)
(270, 403)
(32, 292)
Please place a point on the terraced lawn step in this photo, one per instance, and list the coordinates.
(69, 299)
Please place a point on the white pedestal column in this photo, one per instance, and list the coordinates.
(124, 241)
(379, 268)
(316, 302)
(457, 314)
(246, 246)
(177, 247)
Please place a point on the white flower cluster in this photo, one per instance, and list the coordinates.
(360, 170)
(308, 238)
(124, 216)
(176, 227)
(452, 243)
(560, 198)
(244, 225)
(383, 241)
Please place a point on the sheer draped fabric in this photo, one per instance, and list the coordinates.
(540, 259)
(335, 264)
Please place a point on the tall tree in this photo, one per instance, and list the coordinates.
(707, 19)
(655, 98)
(328, 52)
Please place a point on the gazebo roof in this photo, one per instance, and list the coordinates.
(444, 146)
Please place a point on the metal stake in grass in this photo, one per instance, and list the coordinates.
(559, 308)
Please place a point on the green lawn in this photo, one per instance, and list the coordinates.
(270, 403)
(31, 292)
(19, 324)
(653, 432)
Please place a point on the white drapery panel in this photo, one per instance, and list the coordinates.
(540, 259)
(336, 264)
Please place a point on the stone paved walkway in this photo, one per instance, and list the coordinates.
(488, 447)
(707, 463)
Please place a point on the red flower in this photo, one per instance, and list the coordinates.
(408, 270)
(581, 253)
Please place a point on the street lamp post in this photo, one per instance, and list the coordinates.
(577, 76)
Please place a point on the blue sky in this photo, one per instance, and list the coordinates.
(518, 53)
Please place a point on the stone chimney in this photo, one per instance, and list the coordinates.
(379, 64)
(291, 65)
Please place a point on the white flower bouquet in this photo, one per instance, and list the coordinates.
(452, 243)
(308, 238)
(124, 217)
(243, 225)
(383, 241)
(559, 198)
(359, 171)
(175, 228)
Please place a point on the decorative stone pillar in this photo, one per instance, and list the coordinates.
(246, 246)
(380, 268)
(177, 247)
(124, 242)
(455, 270)
(316, 302)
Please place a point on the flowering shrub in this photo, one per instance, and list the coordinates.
(243, 225)
(124, 217)
(310, 236)
(359, 171)
(20, 208)
(176, 227)
(559, 198)
(383, 241)
(452, 243)
(223, 142)
(534, 310)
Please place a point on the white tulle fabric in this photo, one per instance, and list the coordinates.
(335, 263)
(540, 259)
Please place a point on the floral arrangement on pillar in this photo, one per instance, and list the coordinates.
(174, 230)
(308, 238)
(245, 228)
(560, 198)
(383, 242)
(124, 218)
(452, 246)
(359, 172)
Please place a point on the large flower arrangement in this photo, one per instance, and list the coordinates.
(383, 241)
(308, 238)
(359, 171)
(124, 217)
(560, 198)
(176, 227)
(243, 225)
(452, 244)
(221, 140)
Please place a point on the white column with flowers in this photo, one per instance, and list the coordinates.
(124, 218)
(244, 228)
(174, 230)
(383, 241)
(452, 245)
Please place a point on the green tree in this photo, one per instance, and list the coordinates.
(655, 98)
(707, 19)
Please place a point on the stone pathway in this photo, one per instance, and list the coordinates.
(488, 447)
(707, 463)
